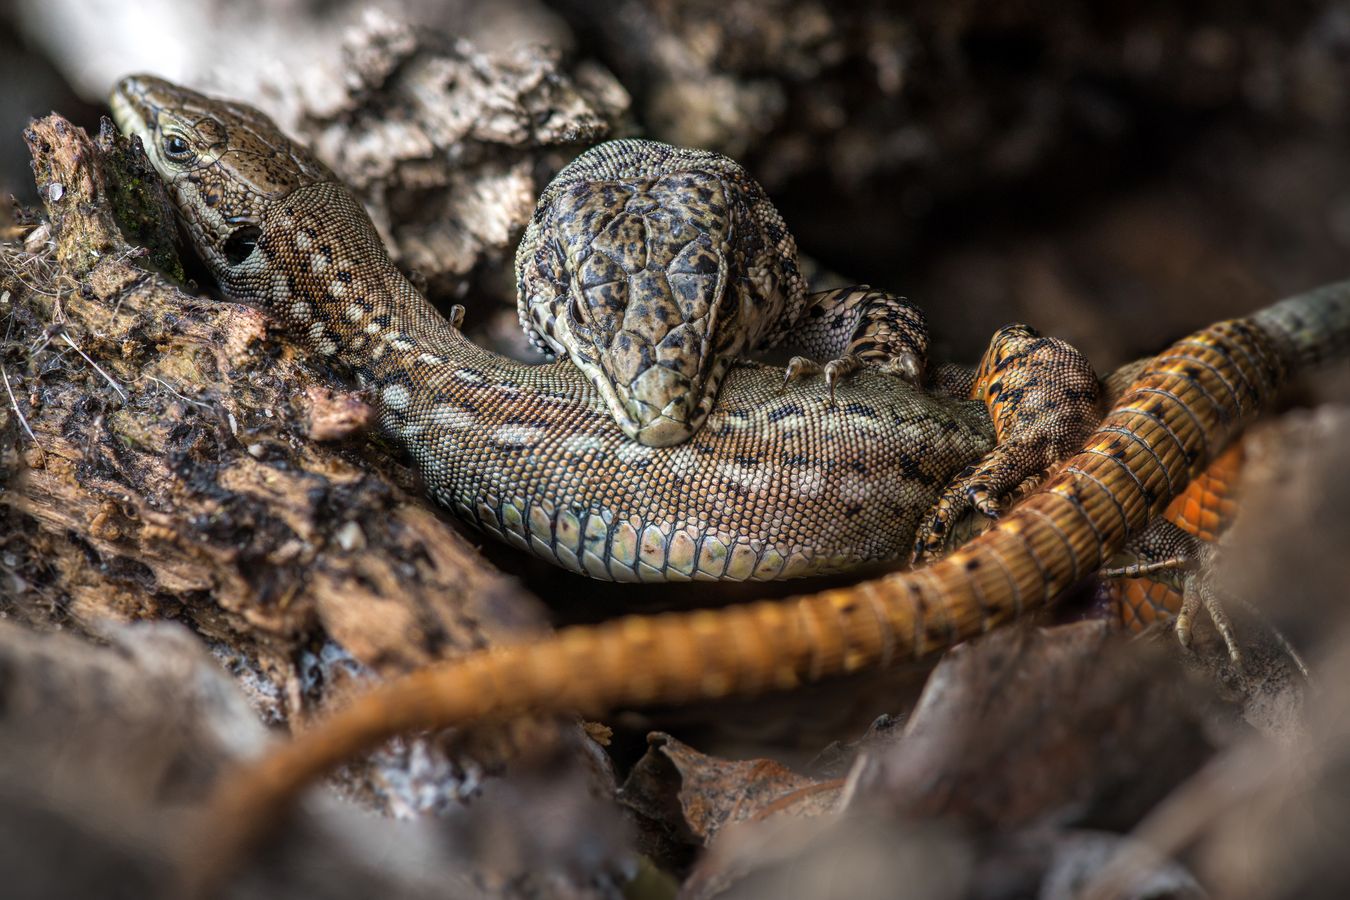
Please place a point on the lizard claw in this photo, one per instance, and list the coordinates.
(962, 495)
(839, 369)
(983, 499)
(906, 366)
(1196, 593)
(800, 367)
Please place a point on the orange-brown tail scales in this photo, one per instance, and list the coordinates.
(1185, 407)
(1205, 509)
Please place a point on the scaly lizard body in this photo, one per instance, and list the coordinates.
(1184, 407)
(777, 483)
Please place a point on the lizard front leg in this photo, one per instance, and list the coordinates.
(856, 327)
(1044, 399)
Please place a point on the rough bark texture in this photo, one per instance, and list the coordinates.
(164, 470)
(449, 147)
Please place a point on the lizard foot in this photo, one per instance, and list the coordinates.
(986, 488)
(1043, 398)
(863, 329)
(1188, 577)
(907, 366)
(1171, 556)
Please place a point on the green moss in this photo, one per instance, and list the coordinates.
(139, 203)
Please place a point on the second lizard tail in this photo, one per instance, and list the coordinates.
(1184, 408)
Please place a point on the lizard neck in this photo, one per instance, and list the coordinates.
(326, 274)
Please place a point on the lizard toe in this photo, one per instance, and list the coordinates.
(837, 370)
(800, 367)
(908, 367)
(939, 531)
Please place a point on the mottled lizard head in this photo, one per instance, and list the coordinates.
(649, 267)
(225, 163)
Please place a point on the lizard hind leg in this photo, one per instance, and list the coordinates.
(1177, 559)
(1164, 573)
(1044, 399)
(858, 327)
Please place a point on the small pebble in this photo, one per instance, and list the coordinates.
(350, 537)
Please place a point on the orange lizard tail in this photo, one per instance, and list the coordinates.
(1185, 407)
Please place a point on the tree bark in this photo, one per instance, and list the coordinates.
(161, 464)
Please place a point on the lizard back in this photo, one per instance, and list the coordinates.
(778, 483)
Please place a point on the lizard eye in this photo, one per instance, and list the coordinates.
(241, 243)
(177, 148)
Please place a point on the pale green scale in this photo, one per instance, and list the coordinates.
(712, 557)
(568, 560)
(541, 529)
(623, 546)
(742, 563)
(513, 523)
(488, 518)
(568, 532)
(594, 565)
(593, 557)
(770, 564)
(622, 573)
(680, 556)
(652, 549)
(798, 564)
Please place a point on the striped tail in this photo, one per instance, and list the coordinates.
(1181, 412)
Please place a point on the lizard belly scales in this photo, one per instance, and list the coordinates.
(777, 483)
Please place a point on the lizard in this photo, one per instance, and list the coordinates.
(654, 267)
(1187, 404)
(779, 482)
(1182, 408)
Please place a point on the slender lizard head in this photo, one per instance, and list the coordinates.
(225, 162)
